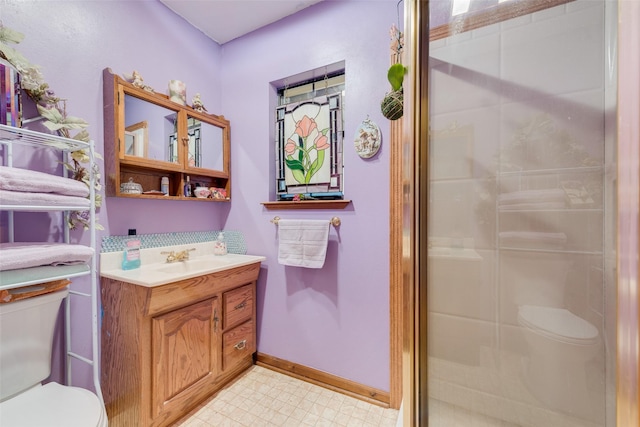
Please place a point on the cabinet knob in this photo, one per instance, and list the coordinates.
(241, 345)
(243, 304)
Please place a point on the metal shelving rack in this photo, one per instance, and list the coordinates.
(10, 137)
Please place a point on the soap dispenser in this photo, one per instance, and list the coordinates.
(220, 246)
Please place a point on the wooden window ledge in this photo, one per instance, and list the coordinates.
(307, 204)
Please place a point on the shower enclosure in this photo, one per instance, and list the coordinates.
(521, 319)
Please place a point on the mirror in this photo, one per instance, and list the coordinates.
(148, 129)
(151, 132)
(210, 154)
(136, 139)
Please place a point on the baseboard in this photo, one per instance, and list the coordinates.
(323, 379)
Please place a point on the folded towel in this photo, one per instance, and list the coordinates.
(302, 243)
(532, 196)
(16, 179)
(17, 198)
(31, 254)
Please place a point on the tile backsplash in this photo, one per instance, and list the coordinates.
(234, 239)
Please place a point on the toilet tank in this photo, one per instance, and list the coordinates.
(26, 337)
(535, 277)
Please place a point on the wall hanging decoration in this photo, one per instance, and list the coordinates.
(392, 103)
(367, 139)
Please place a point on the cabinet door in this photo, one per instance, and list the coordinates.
(185, 355)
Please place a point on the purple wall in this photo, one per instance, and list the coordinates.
(73, 42)
(335, 319)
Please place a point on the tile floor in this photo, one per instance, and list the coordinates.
(262, 397)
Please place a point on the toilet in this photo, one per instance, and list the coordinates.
(559, 343)
(26, 337)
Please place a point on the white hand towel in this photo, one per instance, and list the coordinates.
(302, 243)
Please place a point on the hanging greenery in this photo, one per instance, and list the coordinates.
(53, 110)
(393, 102)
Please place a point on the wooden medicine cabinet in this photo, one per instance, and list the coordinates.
(147, 137)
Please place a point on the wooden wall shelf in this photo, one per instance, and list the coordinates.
(307, 204)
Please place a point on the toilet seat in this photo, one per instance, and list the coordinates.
(53, 405)
(558, 324)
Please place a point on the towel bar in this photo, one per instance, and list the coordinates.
(335, 221)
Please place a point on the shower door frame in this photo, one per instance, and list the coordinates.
(415, 203)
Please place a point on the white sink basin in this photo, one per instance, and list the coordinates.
(160, 273)
(195, 265)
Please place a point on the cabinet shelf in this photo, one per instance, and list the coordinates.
(13, 135)
(29, 208)
(159, 197)
(12, 279)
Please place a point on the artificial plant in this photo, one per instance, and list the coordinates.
(54, 113)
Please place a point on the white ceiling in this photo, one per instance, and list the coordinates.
(225, 20)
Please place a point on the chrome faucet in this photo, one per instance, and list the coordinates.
(178, 256)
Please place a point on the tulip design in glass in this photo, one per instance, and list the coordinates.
(309, 148)
(307, 143)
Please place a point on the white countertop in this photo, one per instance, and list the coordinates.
(155, 271)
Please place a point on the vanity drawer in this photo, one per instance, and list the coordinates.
(238, 305)
(237, 344)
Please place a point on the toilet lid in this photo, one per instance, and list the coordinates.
(558, 323)
(53, 405)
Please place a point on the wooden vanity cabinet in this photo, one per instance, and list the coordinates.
(165, 349)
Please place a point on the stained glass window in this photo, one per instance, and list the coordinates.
(309, 138)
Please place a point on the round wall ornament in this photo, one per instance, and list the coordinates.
(367, 139)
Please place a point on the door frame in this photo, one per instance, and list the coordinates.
(409, 173)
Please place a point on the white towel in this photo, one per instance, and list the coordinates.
(302, 243)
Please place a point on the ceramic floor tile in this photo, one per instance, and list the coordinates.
(265, 398)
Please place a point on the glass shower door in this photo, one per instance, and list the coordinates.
(521, 295)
